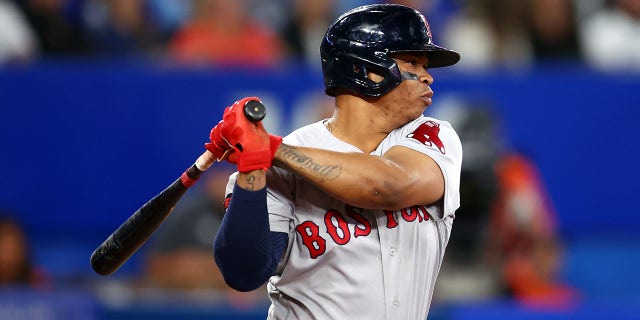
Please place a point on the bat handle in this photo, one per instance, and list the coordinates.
(206, 160)
(254, 110)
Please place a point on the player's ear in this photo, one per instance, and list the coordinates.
(371, 75)
(375, 77)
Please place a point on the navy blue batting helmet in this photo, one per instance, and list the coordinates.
(362, 39)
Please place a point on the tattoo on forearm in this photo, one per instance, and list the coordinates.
(322, 171)
(250, 181)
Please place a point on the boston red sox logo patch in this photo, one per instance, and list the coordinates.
(427, 134)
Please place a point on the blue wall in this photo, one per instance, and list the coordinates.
(84, 145)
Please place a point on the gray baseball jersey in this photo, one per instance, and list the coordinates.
(344, 262)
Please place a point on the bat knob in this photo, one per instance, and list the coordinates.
(254, 110)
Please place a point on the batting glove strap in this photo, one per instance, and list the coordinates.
(254, 160)
(274, 143)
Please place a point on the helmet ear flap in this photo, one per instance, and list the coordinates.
(389, 74)
(352, 73)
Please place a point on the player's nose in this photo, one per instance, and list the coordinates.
(426, 77)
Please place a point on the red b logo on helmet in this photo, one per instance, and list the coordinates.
(427, 134)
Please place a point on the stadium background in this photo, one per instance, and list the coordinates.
(86, 141)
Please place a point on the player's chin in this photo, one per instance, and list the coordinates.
(426, 101)
(422, 104)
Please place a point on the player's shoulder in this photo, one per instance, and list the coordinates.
(430, 132)
(311, 132)
(441, 126)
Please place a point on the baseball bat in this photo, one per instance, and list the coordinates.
(137, 229)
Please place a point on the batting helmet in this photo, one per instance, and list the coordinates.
(362, 39)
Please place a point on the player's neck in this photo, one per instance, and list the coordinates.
(356, 123)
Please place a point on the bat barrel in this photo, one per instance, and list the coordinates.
(135, 231)
(103, 259)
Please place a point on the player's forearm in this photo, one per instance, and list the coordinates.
(358, 179)
(252, 180)
(245, 250)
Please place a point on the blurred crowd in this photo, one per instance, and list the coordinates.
(266, 33)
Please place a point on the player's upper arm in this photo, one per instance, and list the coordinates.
(419, 180)
(280, 199)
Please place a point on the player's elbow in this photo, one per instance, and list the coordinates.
(388, 197)
(241, 284)
(246, 279)
(380, 194)
(241, 270)
(240, 274)
(399, 192)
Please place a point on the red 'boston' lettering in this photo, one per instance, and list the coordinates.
(310, 233)
(409, 214)
(391, 219)
(419, 212)
(332, 229)
(338, 227)
(363, 227)
(424, 212)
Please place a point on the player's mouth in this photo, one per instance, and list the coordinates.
(426, 98)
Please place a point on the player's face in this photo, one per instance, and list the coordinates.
(408, 100)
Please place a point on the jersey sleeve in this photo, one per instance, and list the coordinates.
(230, 184)
(280, 185)
(279, 197)
(438, 140)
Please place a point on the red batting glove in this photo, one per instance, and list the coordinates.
(274, 143)
(250, 141)
(217, 144)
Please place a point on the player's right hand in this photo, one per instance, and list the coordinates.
(251, 143)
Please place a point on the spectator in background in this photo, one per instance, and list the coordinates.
(489, 34)
(611, 36)
(16, 267)
(465, 275)
(17, 40)
(311, 106)
(508, 243)
(179, 257)
(169, 15)
(416, 4)
(305, 28)
(552, 30)
(478, 128)
(222, 33)
(430, 8)
(523, 237)
(121, 27)
(56, 25)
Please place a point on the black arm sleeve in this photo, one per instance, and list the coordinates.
(245, 250)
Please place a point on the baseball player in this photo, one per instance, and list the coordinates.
(353, 218)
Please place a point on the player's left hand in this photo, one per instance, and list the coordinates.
(217, 143)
